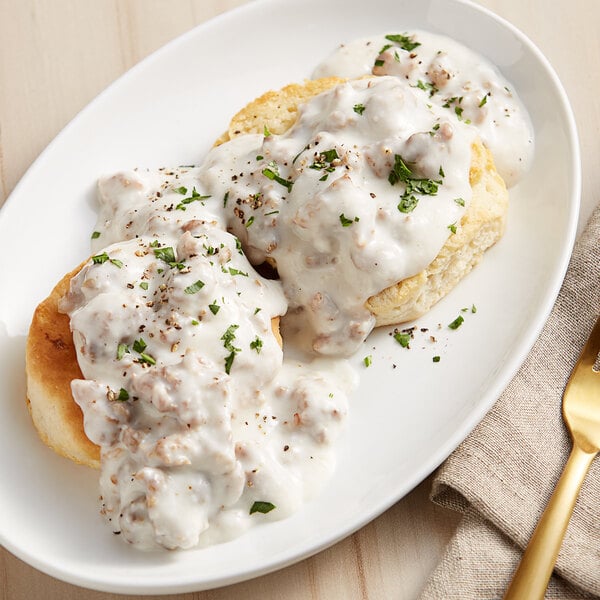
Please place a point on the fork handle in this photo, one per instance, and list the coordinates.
(531, 577)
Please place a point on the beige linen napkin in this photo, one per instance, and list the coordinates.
(503, 474)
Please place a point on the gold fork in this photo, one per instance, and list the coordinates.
(581, 413)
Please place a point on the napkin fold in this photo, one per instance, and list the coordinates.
(503, 474)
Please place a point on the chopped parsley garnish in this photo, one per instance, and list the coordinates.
(262, 507)
(483, 101)
(233, 271)
(227, 339)
(195, 322)
(457, 322)
(225, 198)
(181, 190)
(436, 359)
(259, 157)
(193, 198)
(459, 201)
(146, 358)
(155, 244)
(257, 345)
(139, 345)
(195, 287)
(123, 395)
(100, 258)
(405, 42)
(144, 285)
(379, 62)
(414, 185)
(368, 360)
(95, 235)
(402, 338)
(273, 212)
(324, 161)
(459, 111)
(426, 87)
(257, 310)
(473, 309)
(441, 172)
(122, 349)
(346, 222)
(168, 255)
(266, 131)
(359, 109)
(214, 307)
(270, 174)
(250, 221)
(407, 204)
(452, 227)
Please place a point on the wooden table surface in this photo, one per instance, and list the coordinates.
(56, 55)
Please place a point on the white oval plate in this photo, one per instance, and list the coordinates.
(404, 420)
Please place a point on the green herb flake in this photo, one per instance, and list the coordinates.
(122, 349)
(257, 345)
(426, 87)
(146, 358)
(452, 227)
(459, 201)
(144, 285)
(407, 204)
(257, 310)
(250, 221)
(359, 109)
(139, 345)
(346, 222)
(116, 262)
(214, 307)
(473, 309)
(195, 197)
(270, 174)
(441, 172)
(167, 254)
(227, 339)
(404, 41)
(266, 131)
(181, 190)
(457, 322)
(483, 101)
(195, 287)
(123, 395)
(368, 360)
(95, 235)
(436, 359)
(100, 258)
(233, 271)
(402, 338)
(261, 507)
(259, 157)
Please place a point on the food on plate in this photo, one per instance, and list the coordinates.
(354, 201)
(371, 192)
(51, 366)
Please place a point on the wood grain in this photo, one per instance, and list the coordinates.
(56, 55)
